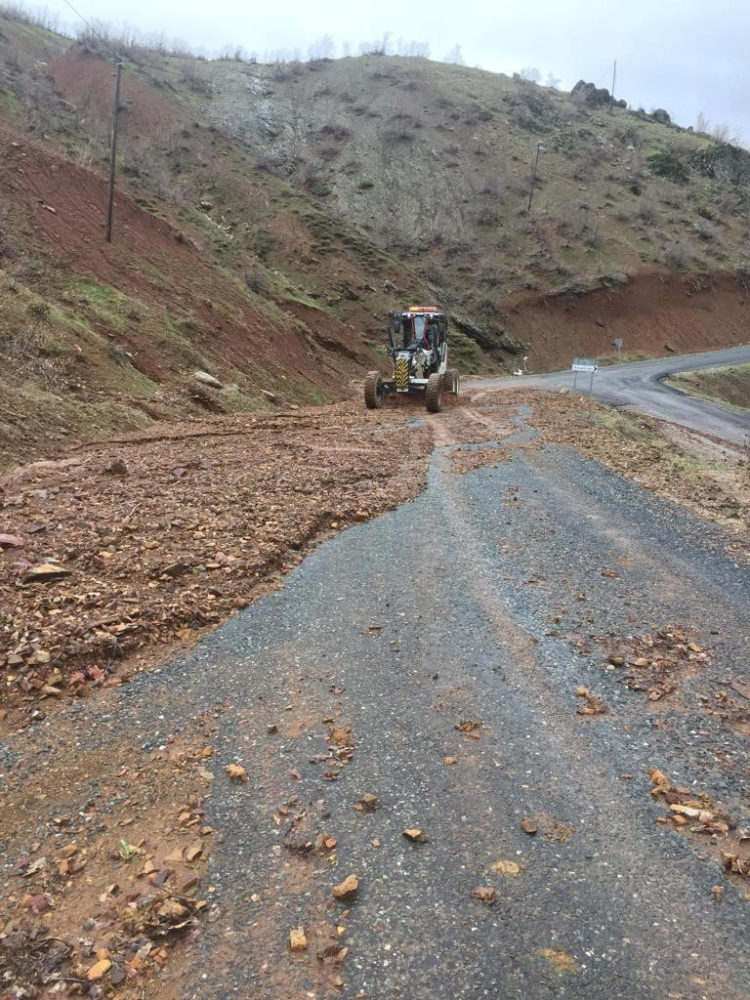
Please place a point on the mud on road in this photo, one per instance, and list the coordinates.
(481, 662)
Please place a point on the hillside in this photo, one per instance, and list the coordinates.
(269, 218)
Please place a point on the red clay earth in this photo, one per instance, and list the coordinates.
(655, 313)
(58, 207)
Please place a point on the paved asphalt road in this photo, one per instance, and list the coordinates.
(638, 386)
(489, 598)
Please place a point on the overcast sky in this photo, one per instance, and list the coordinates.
(687, 56)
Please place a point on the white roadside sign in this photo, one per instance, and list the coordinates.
(584, 365)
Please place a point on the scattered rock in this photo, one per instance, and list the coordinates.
(269, 395)
(368, 803)
(594, 704)
(416, 836)
(734, 863)
(194, 851)
(506, 868)
(485, 894)
(173, 911)
(99, 970)
(450, 761)
(347, 888)
(10, 542)
(208, 379)
(46, 573)
(116, 468)
(236, 772)
(298, 939)
(529, 826)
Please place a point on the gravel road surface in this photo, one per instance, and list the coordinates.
(491, 598)
(639, 386)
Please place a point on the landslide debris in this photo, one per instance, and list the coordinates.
(103, 570)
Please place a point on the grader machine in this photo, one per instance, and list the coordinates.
(419, 349)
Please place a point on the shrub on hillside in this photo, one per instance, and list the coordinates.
(487, 216)
(256, 280)
(532, 109)
(676, 255)
(704, 230)
(666, 164)
(661, 116)
(593, 96)
(722, 161)
(336, 130)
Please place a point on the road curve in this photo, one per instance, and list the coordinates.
(638, 385)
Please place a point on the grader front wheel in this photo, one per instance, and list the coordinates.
(434, 393)
(374, 393)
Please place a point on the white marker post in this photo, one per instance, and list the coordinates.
(584, 365)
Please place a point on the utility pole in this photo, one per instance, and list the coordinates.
(614, 78)
(113, 151)
(533, 175)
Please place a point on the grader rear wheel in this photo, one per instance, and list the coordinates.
(450, 381)
(374, 393)
(433, 395)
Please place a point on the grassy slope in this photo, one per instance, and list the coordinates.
(448, 153)
(725, 385)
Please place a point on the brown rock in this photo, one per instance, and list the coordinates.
(173, 911)
(100, 969)
(298, 939)
(237, 772)
(45, 572)
(347, 888)
(195, 850)
(415, 835)
(10, 542)
(116, 468)
(485, 894)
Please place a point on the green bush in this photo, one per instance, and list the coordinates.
(365, 184)
(666, 164)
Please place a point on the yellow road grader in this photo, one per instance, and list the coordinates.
(419, 349)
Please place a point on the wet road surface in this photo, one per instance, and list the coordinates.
(396, 631)
(638, 385)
